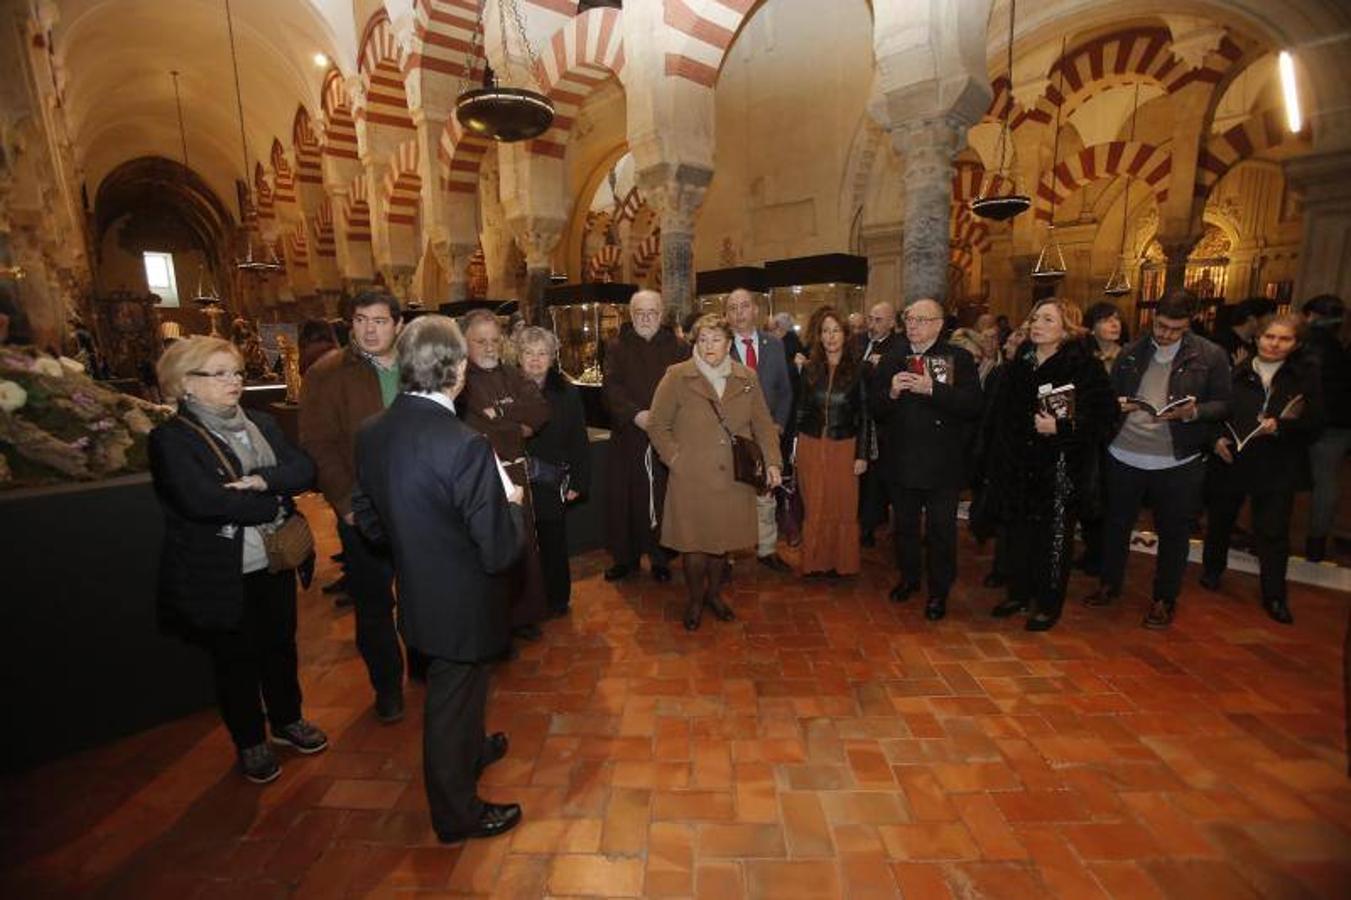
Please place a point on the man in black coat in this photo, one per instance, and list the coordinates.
(1323, 342)
(872, 349)
(431, 487)
(926, 400)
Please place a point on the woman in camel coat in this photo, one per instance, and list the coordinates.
(708, 513)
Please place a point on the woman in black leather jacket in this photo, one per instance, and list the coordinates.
(224, 478)
(1277, 408)
(832, 423)
(1039, 456)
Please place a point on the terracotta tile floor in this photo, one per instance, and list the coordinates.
(827, 744)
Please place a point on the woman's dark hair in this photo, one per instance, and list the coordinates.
(817, 368)
(1100, 312)
(316, 331)
(1177, 304)
(1326, 306)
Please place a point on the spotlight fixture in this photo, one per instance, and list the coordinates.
(320, 60)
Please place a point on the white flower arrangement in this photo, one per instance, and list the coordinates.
(45, 365)
(12, 396)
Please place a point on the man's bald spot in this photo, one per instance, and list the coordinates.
(927, 306)
(884, 310)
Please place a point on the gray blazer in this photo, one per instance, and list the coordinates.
(771, 367)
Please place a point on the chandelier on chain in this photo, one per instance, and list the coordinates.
(505, 114)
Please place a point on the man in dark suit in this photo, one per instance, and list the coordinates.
(762, 353)
(872, 349)
(431, 487)
(927, 399)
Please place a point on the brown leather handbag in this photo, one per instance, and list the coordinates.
(288, 545)
(748, 460)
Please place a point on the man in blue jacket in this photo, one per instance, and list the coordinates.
(1161, 458)
(432, 489)
(762, 353)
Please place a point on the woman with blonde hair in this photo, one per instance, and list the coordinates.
(225, 478)
(832, 446)
(1052, 408)
(697, 408)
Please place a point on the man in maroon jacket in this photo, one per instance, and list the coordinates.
(636, 480)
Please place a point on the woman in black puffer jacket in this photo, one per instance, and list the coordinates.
(1039, 460)
(1278, 397)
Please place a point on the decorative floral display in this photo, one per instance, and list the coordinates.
(57, 424)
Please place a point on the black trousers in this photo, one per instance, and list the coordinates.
(553, 558)
(629, 500)
(1175, 496)
(1272, 505)
(258, 658)
(872, 499)
(453, 739)
(370, 581)
(938, 507)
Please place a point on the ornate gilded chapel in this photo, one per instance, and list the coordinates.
(690, 448)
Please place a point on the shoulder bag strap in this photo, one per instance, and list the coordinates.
(215, 448)
(717, 411)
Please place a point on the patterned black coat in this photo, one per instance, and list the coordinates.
(1023, 478)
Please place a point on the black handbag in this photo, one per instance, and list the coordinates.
(748, 460)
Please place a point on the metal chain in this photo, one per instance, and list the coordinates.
(1004, 128)
(525, 38)
(1055, 146)
(467, 82)
(1126, 202)
(239, 102)
(178, 102)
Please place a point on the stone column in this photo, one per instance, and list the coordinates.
(1325, 247)
(537, 237)
(457, 270)
(1176, 250)
(927, 147)
(435, 207)
(677, 193)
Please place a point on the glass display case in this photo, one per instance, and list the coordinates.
(585, 316)
(711, 288)
(802, 285)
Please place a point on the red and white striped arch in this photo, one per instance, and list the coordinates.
(443, 33)
(297, 247)
(1002, 103)
(325, 244)
(381, 68)
(646, 254)
(581, 55)
(283, 179)
(306, 147)
(1143, 162)
(1259, 134)
(357, 211)
(461, 153)
(705, 29)
(262, 193)
(340, 130)
(1121, 58)
(403, 185)
(603, 262)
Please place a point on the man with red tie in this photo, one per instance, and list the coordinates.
(762, 353)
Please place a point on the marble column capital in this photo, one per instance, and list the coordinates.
(537, 236)
(677, 193)
(1321, 176)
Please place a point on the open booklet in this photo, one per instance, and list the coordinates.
(1148, 407)
(1291, 410)
(939, 368)
(507, 484)
(1056, 401)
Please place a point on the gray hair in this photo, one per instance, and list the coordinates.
(784, 321)
(478, 316)
(646, 294)
(431, 349)
(533, 336)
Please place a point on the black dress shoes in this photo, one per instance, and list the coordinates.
(936, 608)
(902, 591)
(867, 539)
(496, 818)
(1279, 611)
(389, 707)
(1041, 622)
(1009, 608)
(661, 574)
(1316, 549)
(1103, 596)
(618, 572)
(721, 610)
(1210, 581)
(1160, 615)
(494, 748)
(527, 632)
(995, 580)
(774, 564)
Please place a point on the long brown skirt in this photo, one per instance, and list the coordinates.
(825, 473)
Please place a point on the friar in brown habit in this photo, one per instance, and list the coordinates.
(501, 403)
(635, 361)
